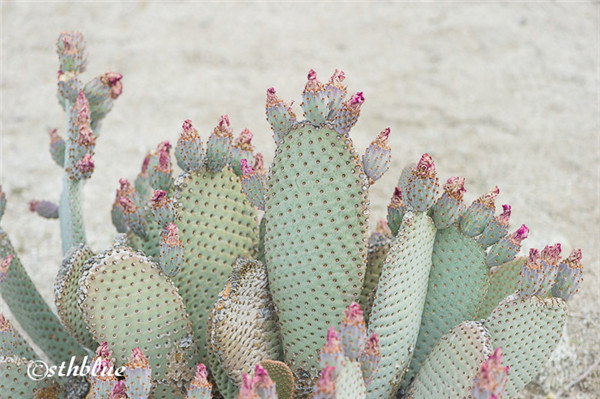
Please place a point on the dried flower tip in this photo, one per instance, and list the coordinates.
(337, 78)
(102, 351)
(489, 199)
(518, 236)
(164, 146)
(159, 198)
(223, 128)
(244, 141)
(534, 260)
(353, 315)
(372, 347)
(397, 201)
(382, 227)
(128, 205)
(145, 164)
(86, 164)
(425, 167)
(4, 265)
(113, 80)
(137, 359)
(85, 137)
(357, 100)
(574, 258)
(326, 385)
(313, 83)
(201, 377)
(259, 162)
(272, 98)
(504, 217)
(261, 378)
(247, 389)
(82, 107)
(551, 254)
(332, 344)
(455, 187)
(172, 236)
(119, 391)
(247, 169)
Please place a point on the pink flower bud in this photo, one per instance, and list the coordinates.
(201, 377)
(337, 79)
(518, 236)
(489, 199)
(425, 168)
(172, 236)
(4, 265)
(455, 187)
(504, 217)
(137, 359)
(113, 80)
(325, 388)
(259, 162)
(247, 169)
(86, 164)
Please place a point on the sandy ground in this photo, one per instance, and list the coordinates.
(499, 93)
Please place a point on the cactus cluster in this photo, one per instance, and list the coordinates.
(226, 280)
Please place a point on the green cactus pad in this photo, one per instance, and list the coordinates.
(260, 249)
(316, 239)
(150, 245)
(283, 377)
(242, 327)
(12, 342)
(217, 225)
(128, 302)
(32, 312)
(72, 229)
(504, 280)
(66, 297)
(224, 385)
(349, 383)
(15, 383)
(454, 362)
(379, 246)
(399, 300)
(528, 331)
(162, 391)
(457, 284)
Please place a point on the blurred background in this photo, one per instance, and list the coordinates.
(502, 94)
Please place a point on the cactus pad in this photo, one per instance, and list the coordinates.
(156, 321)
(504, 280)
(454, 362)
(379, 245)
(242, 327)
(15, 382)
(399, 301)
(528, 331)
(281, 374)
(316, 237)
(66, 297)
(349, 383)
(217, 225)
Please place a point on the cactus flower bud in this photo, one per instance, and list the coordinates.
(4, 265)
(71, 51)
(279, 115)
(84, 168)
(336, 91)
(496, 228)
(264, 385)
(479, 213)
(241, 148)
(353, 333)
(491, 379)
(188, 151)
(160, 174)
(332, 354)
(532, 275)
(134, 216)
(569, 276)
(314, 100)
(45, 209)
(396, 210)
(102, 377)
(171, 250)
(200, 388)
(253, 183)
(369, 359)
(247, 390)
(378, 156)
(163, 209)
(422, 185)
(101, 93)
(218, 151)
(449, 206)
(325, 388)
(103, 351)
(506, 248)
(138, 375)
(57, 147)
(348, 113)
(550, 259)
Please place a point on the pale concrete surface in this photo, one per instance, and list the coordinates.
(500, 93)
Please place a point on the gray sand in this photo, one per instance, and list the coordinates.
(501, 94)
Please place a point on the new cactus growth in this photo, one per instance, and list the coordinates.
(196, 276)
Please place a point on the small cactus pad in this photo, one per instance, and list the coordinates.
(399, 300)
(457, 284)
(150, 244)
(156, 321)
(15, 383)
(504, 280)
(72, 230)
(32, 312)
(349, 383)
(454, 362)
(283, 377)
(316, 239)
(379, 245)
(242, 327)
(216, 226)
(66, 296)
(528, 331)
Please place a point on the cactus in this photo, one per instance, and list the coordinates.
(194, 277)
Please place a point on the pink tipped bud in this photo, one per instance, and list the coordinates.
(125, 188)
(145, 164)
(247, 390)
(189, 131)
(244, 141)
(137, 359)
(313, 83)
(357, 100)
(491, 379)
(272, 98)
(337, 78)
(325, 387)
(247, 169)
(551, 254)
(353, 315)
(163, 146)
(261, 379)
(103, 351)
(574, 257)
(172, 236)
(382, 138)
(534, 259)
(223, 128)
(82, 107)
(504, 217)
(259, 162)
(372, 346)
(4, 265)
(159, 198)
(425, 168)
(128, 205)
(86, 164)
(353, 333)
(113, 80)
(518, 236)
(333, 342)
(201, 378)
(455, 187)
(119, 391)
(397, 201)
